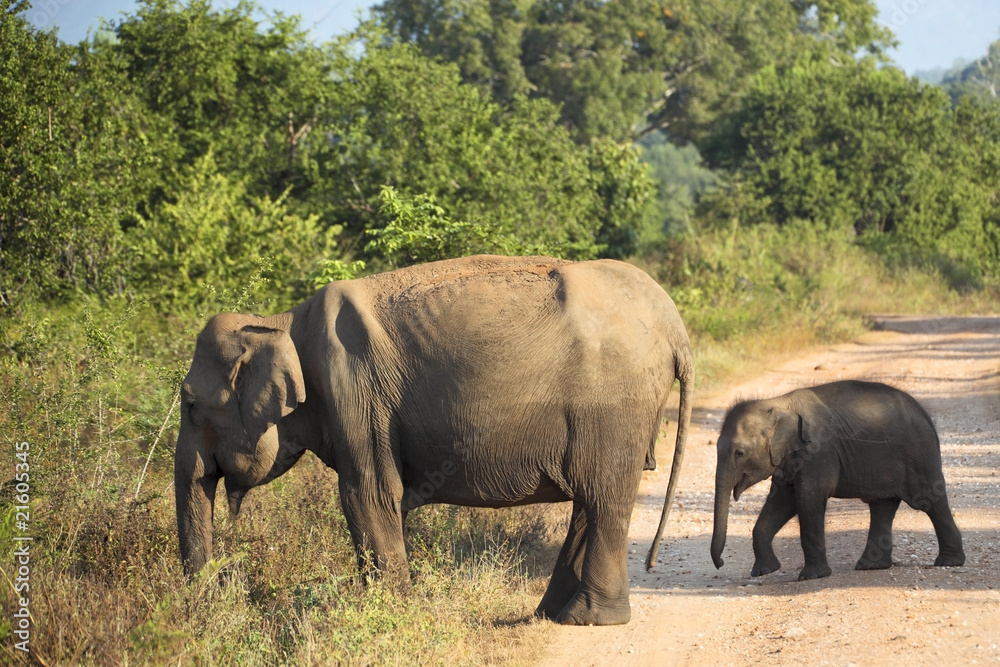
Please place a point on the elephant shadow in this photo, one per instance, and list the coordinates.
(909, 324)
(686, 567)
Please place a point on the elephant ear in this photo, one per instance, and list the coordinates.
(790, 434)
(268, 378)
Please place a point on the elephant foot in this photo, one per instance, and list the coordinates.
(872, 564)
(765, 566)
(815, 572)
(561, 589)
(875, 559)
(580, 612)
(549, 608)
(950, 560)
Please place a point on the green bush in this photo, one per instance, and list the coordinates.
(215, 234)
(855, 146)
(413, 230)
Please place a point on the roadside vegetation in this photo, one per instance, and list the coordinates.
(190, 160)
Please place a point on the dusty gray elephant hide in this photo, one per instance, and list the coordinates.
(846, 439)
(483, 381)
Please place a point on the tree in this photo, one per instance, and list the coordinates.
(621, 69)
(212, 234)
(397, 118)
(856, 146)
(221, 79)
(979, 78)
(73, 153)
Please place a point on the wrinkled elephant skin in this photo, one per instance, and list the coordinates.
(847, 439)
(482, 381)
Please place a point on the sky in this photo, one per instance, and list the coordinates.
(932, 33)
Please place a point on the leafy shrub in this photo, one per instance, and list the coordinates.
(331, 270)
(854, 146)
(213, 233)
(415, 229)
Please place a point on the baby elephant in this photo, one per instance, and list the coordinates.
(846, 439)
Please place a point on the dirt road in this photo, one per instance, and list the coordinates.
(687, 612)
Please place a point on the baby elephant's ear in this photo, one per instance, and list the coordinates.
(790, 433)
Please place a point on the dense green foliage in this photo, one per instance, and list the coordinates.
(858, 147)
(408, 122)
(621, 69)
(417, 230)
(213, 232)
(73, 156)
(130, 153)
(193, 158)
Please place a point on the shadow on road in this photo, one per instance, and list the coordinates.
(935, 325)
(685, 567)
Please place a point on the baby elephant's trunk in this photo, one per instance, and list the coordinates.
(723, 487)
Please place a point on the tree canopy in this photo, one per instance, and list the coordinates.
(135, 160)
(853, 145)
(624, 68)
(173, 151)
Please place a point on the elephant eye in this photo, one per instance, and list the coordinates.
(738, 454)
(195, 414)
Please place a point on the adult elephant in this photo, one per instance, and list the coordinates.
(483, 381)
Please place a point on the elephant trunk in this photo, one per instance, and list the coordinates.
(685, 372)
(195, 482)
(723, 487)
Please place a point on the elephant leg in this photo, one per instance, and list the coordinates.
(603, 468)
(376, 526)
(950, 551)
(778, 509)
(565, 579)
(878, 550)
(602, 596)
(812, 532)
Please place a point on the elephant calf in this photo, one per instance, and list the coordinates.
(846, 439)
(483, 381)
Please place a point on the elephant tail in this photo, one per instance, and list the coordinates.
(685, 373)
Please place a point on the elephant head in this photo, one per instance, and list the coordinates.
(245, 376)
(755, 437)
